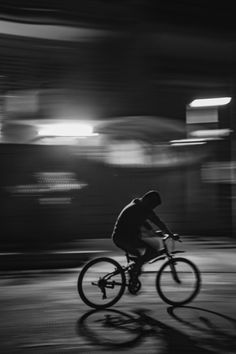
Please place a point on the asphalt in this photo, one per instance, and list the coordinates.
(210, 254)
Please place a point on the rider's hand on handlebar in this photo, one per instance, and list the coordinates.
(175, 237)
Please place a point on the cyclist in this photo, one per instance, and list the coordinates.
(134, 234)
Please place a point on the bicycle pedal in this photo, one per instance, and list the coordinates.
(134, 286)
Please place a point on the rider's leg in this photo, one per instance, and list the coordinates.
(152, 249)
(135, 248)
(152, 243)
(145, 247)
(149, 254)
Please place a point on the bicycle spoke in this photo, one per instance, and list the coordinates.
(101, 283)
(178, 281)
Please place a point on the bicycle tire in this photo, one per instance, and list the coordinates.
(95, 262)
(159, 286)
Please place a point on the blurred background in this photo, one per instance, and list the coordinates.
(96, 108)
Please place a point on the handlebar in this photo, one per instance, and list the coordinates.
(165, 236)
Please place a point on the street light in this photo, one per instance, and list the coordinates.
(66, 130)
(210, 102)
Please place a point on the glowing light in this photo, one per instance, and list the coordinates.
(209, 102)
(54, 32)
(189, 143)
(186, 141)
(67, 130)
(213, 133)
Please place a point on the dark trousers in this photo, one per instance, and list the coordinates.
(134, 247)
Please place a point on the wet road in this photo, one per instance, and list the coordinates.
(42, 313)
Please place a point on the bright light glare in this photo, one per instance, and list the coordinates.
(186, 141)
(67, 130)
(214, 133)
(209, 102)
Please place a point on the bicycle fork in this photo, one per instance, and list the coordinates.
(173, 271)
(172, 264)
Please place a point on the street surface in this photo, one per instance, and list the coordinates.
(41, 311)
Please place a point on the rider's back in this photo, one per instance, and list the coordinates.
(130, 220)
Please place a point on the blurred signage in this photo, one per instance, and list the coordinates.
(25, 101)
(219, 172)
(50, 186)
(201, 115)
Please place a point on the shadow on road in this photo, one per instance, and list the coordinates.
(215, 330)
(113, 329)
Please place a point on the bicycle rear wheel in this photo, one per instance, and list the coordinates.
(178, 281)
(101, 282)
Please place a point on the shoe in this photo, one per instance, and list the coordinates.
(134, 286)
(135, 271)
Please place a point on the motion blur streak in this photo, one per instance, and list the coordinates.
(97, 107)
(67, 129)
(50, 32)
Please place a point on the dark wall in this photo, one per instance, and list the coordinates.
(33, 212)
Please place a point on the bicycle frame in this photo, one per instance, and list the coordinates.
(104, 282)
(171, 273)
(168, 254)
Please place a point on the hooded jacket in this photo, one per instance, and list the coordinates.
(132, 218)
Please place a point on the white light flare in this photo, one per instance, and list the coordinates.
(211, 133)
(188, 143)
(210, 102)
(67, 130)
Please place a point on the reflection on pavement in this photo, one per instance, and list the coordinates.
(195, 330)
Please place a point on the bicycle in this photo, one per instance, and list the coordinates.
(102, 281)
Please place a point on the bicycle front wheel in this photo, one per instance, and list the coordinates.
(178, 281)
(101, 282)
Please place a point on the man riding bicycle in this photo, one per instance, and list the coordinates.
(134, 234)
(103, 280)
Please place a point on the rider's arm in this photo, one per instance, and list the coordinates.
(158, 222)
(147, 226)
